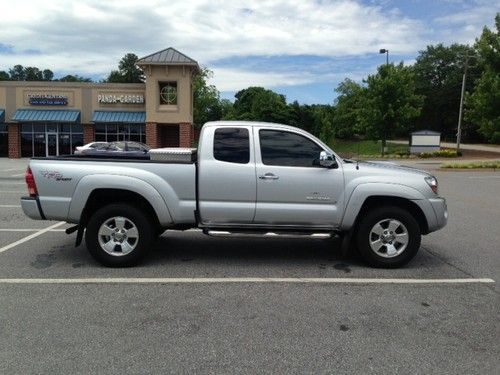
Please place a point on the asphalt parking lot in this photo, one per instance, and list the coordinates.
(225, 305)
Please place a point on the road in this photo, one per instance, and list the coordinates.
(270, 326)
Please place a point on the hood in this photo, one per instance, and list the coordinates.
(388, 166)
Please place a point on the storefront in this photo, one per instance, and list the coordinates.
(4, 135)
(52, 118)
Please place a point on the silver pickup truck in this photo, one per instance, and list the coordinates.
(246, 178)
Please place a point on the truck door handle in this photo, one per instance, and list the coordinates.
(268, 176)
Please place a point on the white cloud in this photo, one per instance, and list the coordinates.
(97, 33)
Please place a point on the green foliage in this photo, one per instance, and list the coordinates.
(74, 78)
(128, 71)
(494, 164)
(438, 77)
(440, 154)
(4, 76)
(29, 73)
(483, 105)
(349, 102)
(206, 98)
(259, 104)
(389, 102)
(365, 148)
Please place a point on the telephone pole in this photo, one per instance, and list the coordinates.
(464, 78)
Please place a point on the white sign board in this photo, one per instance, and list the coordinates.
(425, 140)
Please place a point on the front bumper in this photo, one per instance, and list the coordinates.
(441, 212)
(31, 208)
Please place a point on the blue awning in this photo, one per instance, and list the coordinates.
(2, 116)
(46, 115)
(119, 116)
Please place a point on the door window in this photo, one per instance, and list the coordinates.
(288, 149)
(232, 145)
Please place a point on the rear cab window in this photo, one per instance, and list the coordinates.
(232, 145)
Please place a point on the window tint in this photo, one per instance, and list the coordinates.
(232, 145)
(288, 149)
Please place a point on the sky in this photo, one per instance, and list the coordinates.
(299, 48)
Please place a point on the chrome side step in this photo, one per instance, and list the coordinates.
(225, 233)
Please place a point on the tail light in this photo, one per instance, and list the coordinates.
(30, 181)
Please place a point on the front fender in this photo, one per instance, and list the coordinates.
(371, 189)
(90, 183)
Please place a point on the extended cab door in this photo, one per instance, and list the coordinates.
(292, 189)
(226, 175)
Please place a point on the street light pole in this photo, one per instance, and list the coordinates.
(464, 78)
(386, 51)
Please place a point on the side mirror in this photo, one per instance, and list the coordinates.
(327, 160)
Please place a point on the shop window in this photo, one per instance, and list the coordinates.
(121, 132)
(4, 140)
(168, 93)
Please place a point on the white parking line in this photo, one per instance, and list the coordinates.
(28, 230)
(12, 169)
(31, 236)
(13, 191)
(9, 206)
(242, 280)
(17, 175)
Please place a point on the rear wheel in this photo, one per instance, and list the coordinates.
(119, 235)
(388, 237)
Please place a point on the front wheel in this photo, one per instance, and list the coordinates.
(118, 235)
(388, 237)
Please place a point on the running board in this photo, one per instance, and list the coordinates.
(225, 233)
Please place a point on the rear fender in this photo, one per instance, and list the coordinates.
(98, 181)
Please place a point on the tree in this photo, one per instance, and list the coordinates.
(390, 102)
(438, 77)
(259, 104)
(346, 122)
(32, 73)
(74, 78)
(128, 71)
(48, 75)
(483, 105)
(17, 73)
(206, 99)
(4, 76)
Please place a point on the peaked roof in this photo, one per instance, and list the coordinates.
(168, 56)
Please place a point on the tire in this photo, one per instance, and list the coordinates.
(119, 235)
(391, 248)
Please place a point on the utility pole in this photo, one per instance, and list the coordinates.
(464, 78)
(384, 134)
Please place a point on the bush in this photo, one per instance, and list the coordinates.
(440, 154)
(494, 164)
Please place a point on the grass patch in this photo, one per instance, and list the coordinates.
(494, 164)
(366, 148)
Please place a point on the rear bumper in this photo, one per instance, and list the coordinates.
(32, 208)
(441, 212)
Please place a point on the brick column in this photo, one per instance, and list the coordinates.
(152, 134)
(185, 134)
(14, 141)
(88, 133)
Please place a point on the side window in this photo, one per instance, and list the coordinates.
(232, 145)
(288, 149)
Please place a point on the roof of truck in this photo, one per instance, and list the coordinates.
(249, 123)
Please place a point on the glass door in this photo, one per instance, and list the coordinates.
(52, 144)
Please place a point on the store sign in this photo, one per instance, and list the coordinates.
(47, 99)
(120, 98)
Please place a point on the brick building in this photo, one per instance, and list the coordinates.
(52, 118)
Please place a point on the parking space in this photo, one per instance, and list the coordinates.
(246, 324)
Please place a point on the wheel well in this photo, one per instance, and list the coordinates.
(377, 201)
(102, 197)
